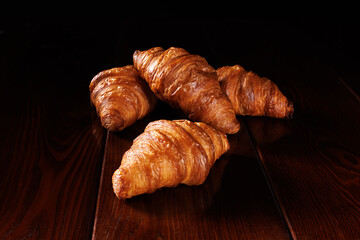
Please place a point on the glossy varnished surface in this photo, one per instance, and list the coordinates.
(281, 179)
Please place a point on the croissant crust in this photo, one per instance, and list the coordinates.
(253, 95)
(121, 97)
(166, 154)
(188, 82)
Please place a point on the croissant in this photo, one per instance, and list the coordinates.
(121, 97)
(253, 95)
(166, 154)
(187, 82)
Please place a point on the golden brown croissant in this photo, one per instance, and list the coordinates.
(166, 154)
(253, 95)
(187, 82)
(121, 97)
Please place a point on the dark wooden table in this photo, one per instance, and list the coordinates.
(281, 179)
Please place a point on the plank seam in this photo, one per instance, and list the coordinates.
(105, 143)
(269, 182)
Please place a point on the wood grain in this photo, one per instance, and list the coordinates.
(233, 203)
(314, 165)
(50, 184)
(51, 145)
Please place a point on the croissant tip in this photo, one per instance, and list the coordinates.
(118, 185)
(290, 110)
(234, 129)
(113, 122)
(136, 52)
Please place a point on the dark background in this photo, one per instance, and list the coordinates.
(92, 45)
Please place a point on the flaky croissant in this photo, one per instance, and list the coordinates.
(253, 95)
(166, 154)
(187, 82)
(121, 97)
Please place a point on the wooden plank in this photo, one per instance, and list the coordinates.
(233, 203)
(313, 163)
(51, 141)
(49, 175)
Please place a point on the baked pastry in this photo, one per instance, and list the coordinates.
(253, 95)
(166, 154)
(188, 82)
(121, 97)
